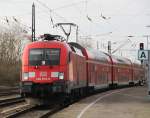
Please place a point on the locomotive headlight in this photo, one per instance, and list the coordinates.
(54, 74)
(25, 76)
(31, 74)
(61, 75)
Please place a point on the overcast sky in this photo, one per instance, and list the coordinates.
(122, 18)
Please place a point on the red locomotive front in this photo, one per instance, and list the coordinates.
(44, 63)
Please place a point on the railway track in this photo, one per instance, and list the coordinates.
(10, 101)
(9, 91)
(23, 111)
(38, 112)
(13, 112)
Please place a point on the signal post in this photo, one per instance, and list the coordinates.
(144, 57)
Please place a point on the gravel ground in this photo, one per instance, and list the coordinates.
(126, 103)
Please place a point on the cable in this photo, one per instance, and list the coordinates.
(53, 10)
(69, 5)
(45, 6)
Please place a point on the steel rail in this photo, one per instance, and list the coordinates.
(10, 101)
(16, 111)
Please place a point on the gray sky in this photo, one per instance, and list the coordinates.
(123, 18)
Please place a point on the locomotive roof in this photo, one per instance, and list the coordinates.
(47, 43)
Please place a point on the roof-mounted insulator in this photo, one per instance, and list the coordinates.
(50, 37)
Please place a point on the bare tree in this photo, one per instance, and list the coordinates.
(11, 45)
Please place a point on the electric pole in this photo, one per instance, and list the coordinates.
(109, 47)
(33, 22)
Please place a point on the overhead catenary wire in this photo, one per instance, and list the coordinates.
(123, 44)
(50, 10)
(61, 7)
(69, 5)
(53, 10)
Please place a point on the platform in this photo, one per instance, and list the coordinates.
(122, 103)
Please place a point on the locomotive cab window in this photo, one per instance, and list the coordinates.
(52, 56)
(39, 57)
